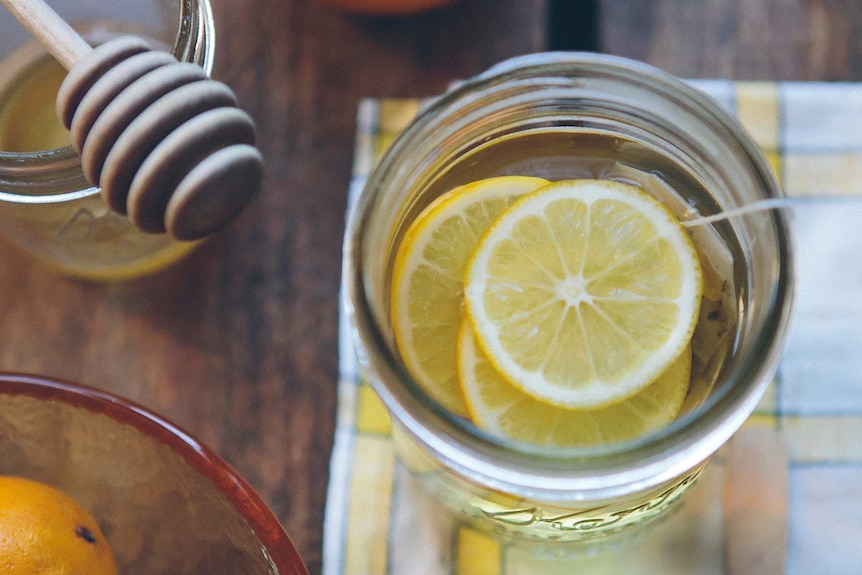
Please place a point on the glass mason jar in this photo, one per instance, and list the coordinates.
(561, 116)
(47, 207)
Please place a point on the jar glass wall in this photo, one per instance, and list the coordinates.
(47, 207)
(563, 116)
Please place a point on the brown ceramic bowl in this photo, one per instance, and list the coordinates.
(166, 503)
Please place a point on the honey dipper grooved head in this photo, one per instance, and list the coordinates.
(148, 127)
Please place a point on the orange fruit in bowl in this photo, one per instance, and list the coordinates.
(386, 7)
(42, 530)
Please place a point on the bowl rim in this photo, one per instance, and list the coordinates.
(266, 526)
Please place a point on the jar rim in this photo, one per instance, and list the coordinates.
(651, 458)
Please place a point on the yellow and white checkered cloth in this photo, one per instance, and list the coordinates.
(379, 523)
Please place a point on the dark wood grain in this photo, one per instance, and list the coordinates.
(739, 39)
(238, 344)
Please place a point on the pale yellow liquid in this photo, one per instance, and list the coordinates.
(558, 154)
(28, 122)
(83, 237)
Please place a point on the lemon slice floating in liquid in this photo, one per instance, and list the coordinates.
(583, 292)
(427, 283)
(502, 409)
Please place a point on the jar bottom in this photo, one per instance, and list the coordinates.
(513, 518)
(143, 266)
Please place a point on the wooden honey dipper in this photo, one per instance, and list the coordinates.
(167, 146)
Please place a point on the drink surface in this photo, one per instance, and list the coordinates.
(558, 154)
(28, 122)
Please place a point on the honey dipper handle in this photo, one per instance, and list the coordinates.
(50, 29)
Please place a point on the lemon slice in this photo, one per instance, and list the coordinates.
(583, 292)
(502, 409)
(427, 283)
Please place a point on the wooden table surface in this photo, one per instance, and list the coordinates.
(238, 343)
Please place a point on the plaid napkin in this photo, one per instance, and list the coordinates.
(378, 521)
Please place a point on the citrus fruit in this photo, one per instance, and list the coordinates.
(44, 531)
(583, 292)
(427, 281)
(502, 409)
